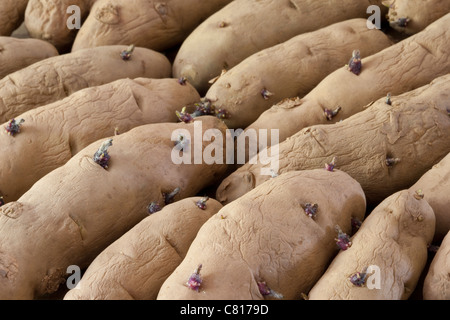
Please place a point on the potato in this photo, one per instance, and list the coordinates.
(149, 24)
(11, 15)
(245, 27)
(436, 285)
(48, 20)
(58, 77)
(435, 185)
(412, 16)
(386, 148)
(73, 213)
(405, 66)
(53, 133)
(289, 69)
(16, 54)
(268, 237)
(388, 253)
(136, 265)
(21, 32)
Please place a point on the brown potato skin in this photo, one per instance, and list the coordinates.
(58, 77)
(291, 69)
(421, 13)
(405, 66)
(11, 15)
(409, 130)
(53, 133)
(47, 20)
(394, 237)
(436, 285)
(245, 27)
(135, 266)
(17, 54)
(435, 185)
(73, 213)
(149, 24)
(266, 236)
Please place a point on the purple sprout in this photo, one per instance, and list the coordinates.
(222, 114)
(359, 278)
(13, 126)
(102, 156)
(355, 64)
(311, 209)
(330, 166)
(266, 94)
(402, 22)
(195, 281)
(263, 288)
(330, 114)
(182, 81)
(266, 291)
(343, 240)
(204, 108)
(126, 54)
(202, 203)
(168, 197)
(153, 207)
(390, 162)
(184, 116)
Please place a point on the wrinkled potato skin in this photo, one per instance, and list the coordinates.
(420, 13)
(135, 266)
(436, 285)
(48, 20)
(267, 236)
(408, 130)
(11, 15)
(245, 27)
(291, 69)
(394, 237)
(435, 185)
(81, 119)
(149, 24)
(58, 77)
(16, 54)
(73, 213)
(407, 65)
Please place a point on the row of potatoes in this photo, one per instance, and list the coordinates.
(102, 100)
